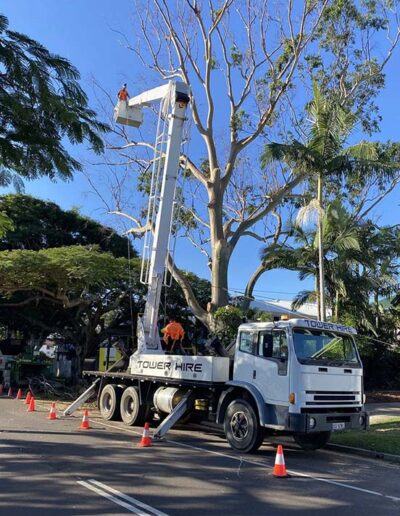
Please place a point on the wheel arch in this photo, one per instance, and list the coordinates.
(239, 390)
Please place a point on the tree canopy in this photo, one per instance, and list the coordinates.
(65, 272)
(38, 224)
(42, 106)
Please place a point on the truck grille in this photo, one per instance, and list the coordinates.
(327, 398)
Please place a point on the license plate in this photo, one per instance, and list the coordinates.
(338, 426)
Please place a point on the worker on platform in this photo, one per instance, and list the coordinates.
(123, 94)
(173, 335)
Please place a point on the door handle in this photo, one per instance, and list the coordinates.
(254, 374)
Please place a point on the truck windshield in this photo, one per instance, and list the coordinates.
(324, 348)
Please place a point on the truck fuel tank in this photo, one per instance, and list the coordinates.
(165, 399)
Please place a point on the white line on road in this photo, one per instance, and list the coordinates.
(148, 508)
(261, 464)
(105, 492)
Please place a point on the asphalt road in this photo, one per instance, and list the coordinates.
(51, 467)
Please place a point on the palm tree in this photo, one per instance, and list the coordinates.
(342, 254)
(325, 155)
(361, 264)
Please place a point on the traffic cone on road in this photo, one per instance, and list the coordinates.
(19, 394)
(10, 392)
(31, 407)
(85, 421)
(28, 398)
(145, 441)
(279, 467)
(53, 413)
(1, 389)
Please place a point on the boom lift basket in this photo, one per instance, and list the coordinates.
(127, 115)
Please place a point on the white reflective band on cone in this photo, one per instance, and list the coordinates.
(280, 461)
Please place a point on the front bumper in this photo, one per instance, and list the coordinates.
(327, 422)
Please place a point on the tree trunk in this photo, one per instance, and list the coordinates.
(337, 301)
(220, 248)
(219, 275)
(317, 292)
(321, 310)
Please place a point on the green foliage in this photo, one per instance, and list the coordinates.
(75, 290)
(41, 106)
(65, 274)
(350, 66)
(260, 316)
(228, 319)
(236, 56)
(6, 224)
(38, 224)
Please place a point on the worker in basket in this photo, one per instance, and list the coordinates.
(123, 94)
(173, 335)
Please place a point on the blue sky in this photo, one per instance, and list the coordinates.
(83, 32)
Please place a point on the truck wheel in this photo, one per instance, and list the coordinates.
(132, 413)
(312, 441)
(109, 402)
(241, 427)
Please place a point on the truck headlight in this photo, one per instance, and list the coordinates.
(312, 422)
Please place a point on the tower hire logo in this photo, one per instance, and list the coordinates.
(168, 366)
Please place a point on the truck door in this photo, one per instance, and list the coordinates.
(271, 366)
(245, 355)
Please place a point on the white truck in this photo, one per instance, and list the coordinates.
(298, 377)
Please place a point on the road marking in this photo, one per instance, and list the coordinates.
(135, 506)
(148, 508)
(261, 464)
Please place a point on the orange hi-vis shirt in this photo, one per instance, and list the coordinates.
(174, 330)
(123, 94)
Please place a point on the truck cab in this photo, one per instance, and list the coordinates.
(306, 377)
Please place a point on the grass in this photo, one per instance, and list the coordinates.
(382, 436)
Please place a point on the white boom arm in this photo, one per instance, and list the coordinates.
(178, 93)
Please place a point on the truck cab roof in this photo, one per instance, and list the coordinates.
(299, 323)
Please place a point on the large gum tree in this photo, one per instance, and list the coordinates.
(249, 65)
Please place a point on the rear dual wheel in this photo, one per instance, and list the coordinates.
(109, 402)
(132, 412)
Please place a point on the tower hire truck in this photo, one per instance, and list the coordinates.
(298, 377)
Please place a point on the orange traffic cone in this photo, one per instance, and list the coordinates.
(145, 441)
(31, 407)
(28, 398)
(53, 413)
(19, 394)
(280, 468)
(85, 421)
(1, 389)
(10, 392)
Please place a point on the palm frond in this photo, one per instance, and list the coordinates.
(295, 155)
(305, 296)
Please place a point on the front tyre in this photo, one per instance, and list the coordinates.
(312, 441)
(241, 426)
